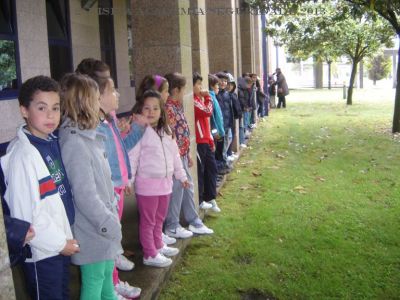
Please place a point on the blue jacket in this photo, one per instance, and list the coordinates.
(127, 144)
(217, 121)
(225, 102)
(16, 230)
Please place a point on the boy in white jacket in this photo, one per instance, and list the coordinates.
(38, 191)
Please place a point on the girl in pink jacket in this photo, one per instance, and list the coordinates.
(154, 160)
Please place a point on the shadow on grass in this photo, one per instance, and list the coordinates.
(255, 294)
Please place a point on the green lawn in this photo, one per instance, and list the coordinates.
(311, 211)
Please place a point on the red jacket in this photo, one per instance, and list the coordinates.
(202, 113)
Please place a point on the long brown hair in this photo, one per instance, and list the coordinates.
(80, 100)
(163, 122)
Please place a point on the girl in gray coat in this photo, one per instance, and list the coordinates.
(96, 221)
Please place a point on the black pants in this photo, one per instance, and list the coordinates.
(206, 173)
(50, 275)
(282, 100)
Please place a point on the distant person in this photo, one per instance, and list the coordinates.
(272, 91)
(283, 89)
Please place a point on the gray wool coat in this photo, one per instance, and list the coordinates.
(97, 227)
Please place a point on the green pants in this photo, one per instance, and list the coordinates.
(97, 281)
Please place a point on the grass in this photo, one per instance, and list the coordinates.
(311, 211)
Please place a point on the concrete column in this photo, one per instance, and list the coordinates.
(247, 41)
(258, 35)
(221, 34)
(198, 23)
(161, 33)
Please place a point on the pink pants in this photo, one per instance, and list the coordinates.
(152, 210)
(120, 192)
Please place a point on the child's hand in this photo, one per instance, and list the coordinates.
(30, 234)
(204, 93)
(70, 248)
(140, 120)
(185, 184)
(128, 190)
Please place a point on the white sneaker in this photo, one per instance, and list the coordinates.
(230, 158)
(204, 205)
(167, 239)
(243, 145)
(123, 264)
(179, 233)
(168, 251)
(234, 155)
(203, 229)
(119, 297)
(125, 290)
(215, 207)
(159, 261)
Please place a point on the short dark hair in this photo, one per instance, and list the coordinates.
(222, 75)
(92, 67)
(35, 84)
(196, 76)
(175, 80)
(212, 80)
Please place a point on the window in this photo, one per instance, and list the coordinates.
(107, 42)
(9, 67)
(59, 38)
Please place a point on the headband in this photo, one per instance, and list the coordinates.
(158, 80)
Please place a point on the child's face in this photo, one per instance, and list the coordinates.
(109, 98)
(197, 87)
(222, 83)
(152, 110)
(164, 92)
(230, 87)
(43, 114)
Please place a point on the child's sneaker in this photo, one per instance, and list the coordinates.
(168, 251)
(167, 239)
(204, 205)
(215, 207)
(159, 261)
(203, 229)
(179, 233)
(127, 291)
(123, 264)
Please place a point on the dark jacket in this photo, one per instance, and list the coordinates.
(283, 89)
(16, 230)
(225, 103)
(237, 109)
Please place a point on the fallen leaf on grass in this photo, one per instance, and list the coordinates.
(280, 156)
(300, 189)
(220, 194)
(256, 174)
(245, 187)
(319, 178)
(273, 167)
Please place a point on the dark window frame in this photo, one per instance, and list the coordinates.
(13, 93)
(67, 43)
(108, 48)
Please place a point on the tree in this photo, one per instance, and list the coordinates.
(378, 67)
(7, 63)
(328, 30)
(387, 9)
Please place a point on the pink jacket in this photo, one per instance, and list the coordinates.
(154, 160)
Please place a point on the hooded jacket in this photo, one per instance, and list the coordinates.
(32, 196)
(155, 157)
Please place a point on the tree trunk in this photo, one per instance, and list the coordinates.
(396, 114)
(351, 84)
(329, 75)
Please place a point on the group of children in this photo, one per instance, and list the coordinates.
(65, 175)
